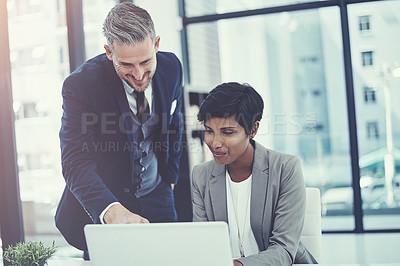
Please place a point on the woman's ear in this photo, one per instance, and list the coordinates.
(254, 130)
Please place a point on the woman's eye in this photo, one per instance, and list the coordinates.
(228, 132)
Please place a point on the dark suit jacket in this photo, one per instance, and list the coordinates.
(277, 205)
(95, 146)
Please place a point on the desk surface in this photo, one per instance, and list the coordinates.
(81, 262)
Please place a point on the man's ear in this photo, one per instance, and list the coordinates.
(157, 44)
(108, 52)
(254, 130)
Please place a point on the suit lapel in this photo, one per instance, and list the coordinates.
(118, 91)
(161, 103)
(158, 102)
(258, 191)
(217, 185)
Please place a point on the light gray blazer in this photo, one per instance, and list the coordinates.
(277, 205)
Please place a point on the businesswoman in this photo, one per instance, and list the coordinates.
(259, 192)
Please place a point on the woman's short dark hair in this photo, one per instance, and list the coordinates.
(232, 98)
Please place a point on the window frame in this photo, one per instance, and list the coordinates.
(11, 219)
(364, 23)
(369, 95)
(367, 58)
(348, 69)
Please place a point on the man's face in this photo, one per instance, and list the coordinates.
(135, 64)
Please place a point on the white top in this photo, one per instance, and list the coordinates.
(238, 200)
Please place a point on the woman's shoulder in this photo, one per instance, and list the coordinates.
(272, 156)
(204, 168)
(284, 168)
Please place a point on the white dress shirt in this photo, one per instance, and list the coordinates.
(132, 97)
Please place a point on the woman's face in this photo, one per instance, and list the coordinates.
(227, 140)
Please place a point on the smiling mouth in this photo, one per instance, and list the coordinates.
(138, 80)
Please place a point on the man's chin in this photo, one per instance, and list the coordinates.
(140, 86)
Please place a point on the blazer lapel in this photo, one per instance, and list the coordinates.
(161, 103)
(258, 191)
(118, 91)
(217, 185)
(158, 104)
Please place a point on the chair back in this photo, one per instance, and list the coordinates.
(311, 234)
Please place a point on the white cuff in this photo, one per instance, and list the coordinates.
(101, 216)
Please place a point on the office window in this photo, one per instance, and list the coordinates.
(367, 58)
(298, 55)
(369, 95)
(94, 13)
(285, 59)
(28, 56)
(30, 110)
(61, 11)
(37, 65)
(199, 8)
(375, 135)
(60, 6)
(24, 7)
(372, 130)
(61, 54)
(364, 23)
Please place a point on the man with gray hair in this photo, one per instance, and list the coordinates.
(121, 130)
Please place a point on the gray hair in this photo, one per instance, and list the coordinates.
(128, 24)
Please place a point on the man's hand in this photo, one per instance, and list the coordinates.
(118, 214)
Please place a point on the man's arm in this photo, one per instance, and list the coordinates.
(78, 140)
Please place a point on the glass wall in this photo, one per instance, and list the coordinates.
(198, 8)
(295, 61)
(39, 63)
(94, 13)
(375, 42)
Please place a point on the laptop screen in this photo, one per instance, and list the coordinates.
(185, 243)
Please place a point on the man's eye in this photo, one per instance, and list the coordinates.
(228, 132)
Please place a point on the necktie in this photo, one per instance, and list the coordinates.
(142, 105)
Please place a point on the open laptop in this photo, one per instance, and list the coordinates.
(185, 243)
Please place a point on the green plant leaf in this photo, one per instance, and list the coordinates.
(30, 253)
